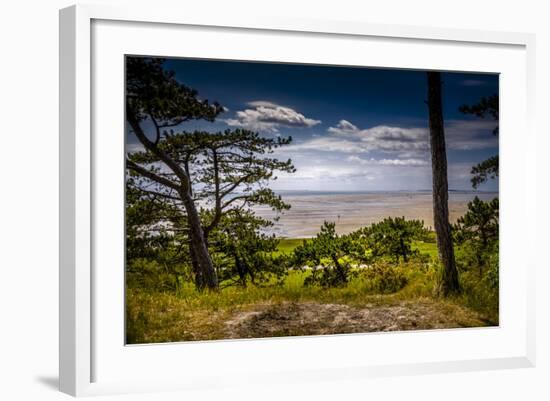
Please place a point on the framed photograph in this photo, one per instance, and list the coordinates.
(281, 200)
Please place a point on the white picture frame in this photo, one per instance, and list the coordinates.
(92, 358)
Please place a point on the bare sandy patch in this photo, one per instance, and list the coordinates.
(311, 318)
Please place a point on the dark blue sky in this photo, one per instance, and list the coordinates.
(354, 128)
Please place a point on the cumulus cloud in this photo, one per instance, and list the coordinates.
(382, 138)
(348, 138)
(267, 116)
(401, 142)
(343, 126)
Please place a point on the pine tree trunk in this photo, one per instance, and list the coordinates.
(199, 281)
(342, 276)
(449, 283)
(241, 271)
(205, 274)
(403, 250)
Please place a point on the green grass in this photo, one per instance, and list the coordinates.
(292, 289)
(287, 245)
(191, 315)
(154, 316)
(428, 248)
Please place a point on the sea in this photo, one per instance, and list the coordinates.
(353, 210)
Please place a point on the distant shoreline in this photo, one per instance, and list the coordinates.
(353, 210)
(376, 191)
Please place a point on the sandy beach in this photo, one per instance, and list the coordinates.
(351, 210)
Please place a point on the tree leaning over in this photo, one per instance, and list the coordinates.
(229, 174)
(440, 191)
(216, 178)
(155, 97)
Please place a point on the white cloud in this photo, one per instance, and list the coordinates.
(262, 103)
(268, 116)
(388, 162)
(402, 143)
(134, 147)
(353, 173)
(382, 138)
(327, 172)
(327, 144)
(470, 134)
(348, 138)
(379, 132)
(344, 126)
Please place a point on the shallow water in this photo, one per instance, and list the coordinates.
(351, 211)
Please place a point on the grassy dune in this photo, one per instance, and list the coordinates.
(293, 309)
(154, 318)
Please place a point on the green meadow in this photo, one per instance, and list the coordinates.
(288, 308)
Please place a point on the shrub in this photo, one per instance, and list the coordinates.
(154, 275)
(482, 294)
(385, 278)
(329, 251)
(476, 233)
(243, 254)
(392, 237)
(479, 289)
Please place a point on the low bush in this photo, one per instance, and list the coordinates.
(482, 293)
(385, 278)
(152, 275)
